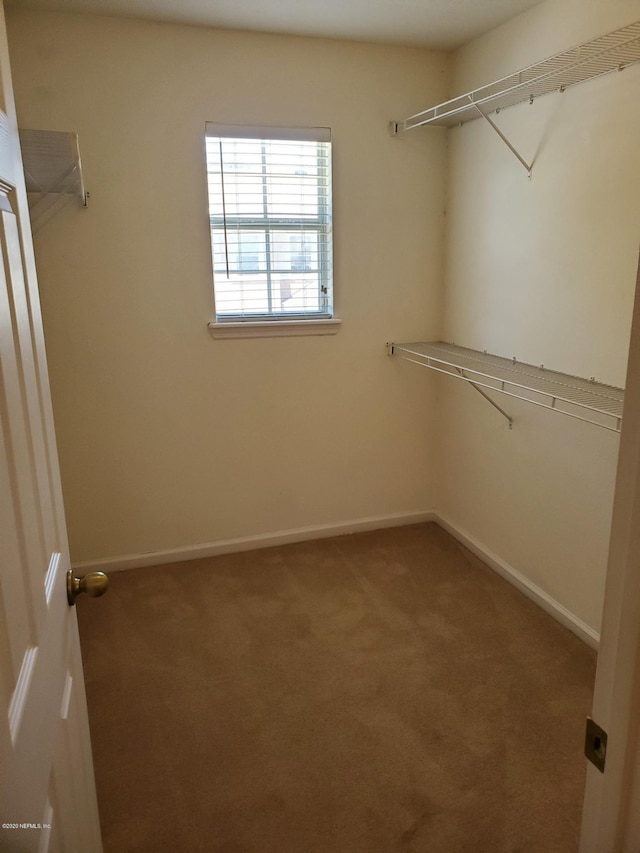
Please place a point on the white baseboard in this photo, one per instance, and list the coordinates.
(252, 543)
(325, 531)
(537, 595)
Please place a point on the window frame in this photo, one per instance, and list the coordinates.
(275, 323)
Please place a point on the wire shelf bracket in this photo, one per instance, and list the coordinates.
(510, 146)
(614, 51)
(53, 173)
(583, 399)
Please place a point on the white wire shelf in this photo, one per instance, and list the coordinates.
(610, 52)
(53, 172)
(584, 399)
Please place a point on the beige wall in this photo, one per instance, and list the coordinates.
(170, 439)
(543, 270)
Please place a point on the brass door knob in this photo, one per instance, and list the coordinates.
(94, 584)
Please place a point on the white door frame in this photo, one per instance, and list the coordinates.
(611, 814)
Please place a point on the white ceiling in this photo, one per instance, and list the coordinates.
(444, 24)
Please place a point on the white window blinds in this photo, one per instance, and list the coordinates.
(270, 217)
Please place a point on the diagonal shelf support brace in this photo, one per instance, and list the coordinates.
(486, 397)
(53, 188)
(511, 148)
(463, 375)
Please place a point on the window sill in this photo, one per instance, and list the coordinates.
(275, 328)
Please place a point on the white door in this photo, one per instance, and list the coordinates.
(47, 790)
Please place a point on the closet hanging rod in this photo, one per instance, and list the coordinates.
(610, 52)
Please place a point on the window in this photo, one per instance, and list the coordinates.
(270, 217)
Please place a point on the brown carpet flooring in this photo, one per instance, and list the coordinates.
(365, 694)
